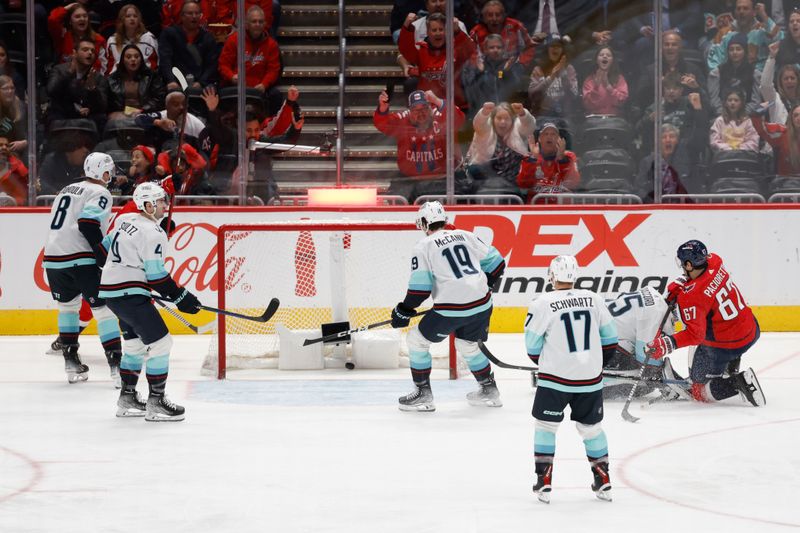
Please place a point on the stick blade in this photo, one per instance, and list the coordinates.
(181, 78)
(270, 311)
(628, 417)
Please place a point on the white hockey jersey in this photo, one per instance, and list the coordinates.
(136, 248)
(451, 266)
(637, 316)
(566, 330)
(83, 201)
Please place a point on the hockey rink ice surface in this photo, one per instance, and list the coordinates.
(329, 451)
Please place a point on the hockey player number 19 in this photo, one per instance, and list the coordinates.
(725, 296)
(459, 260)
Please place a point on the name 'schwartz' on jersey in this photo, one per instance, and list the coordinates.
(578, 301)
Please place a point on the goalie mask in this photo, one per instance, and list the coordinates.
(97, 164)
(430, 213)
(564, 268)
(148, 192)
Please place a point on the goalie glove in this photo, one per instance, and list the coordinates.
(401, 315)
(661, 346)
(675, 288)
(187, 302)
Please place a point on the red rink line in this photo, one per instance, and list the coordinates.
(37, 475)
(646, 492)
(778, 362)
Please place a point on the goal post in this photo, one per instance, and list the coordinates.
(322, 272)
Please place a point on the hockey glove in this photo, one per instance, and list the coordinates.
(401, 315)
(167, 229)
(675, 288)
(187, 302)
(660, 347)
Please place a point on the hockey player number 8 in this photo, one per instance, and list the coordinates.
(461, 263)
(727, 308)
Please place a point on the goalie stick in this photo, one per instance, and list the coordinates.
(606, 373)
(268, 313)
(197, 329)
(340, 334)
(626, 414)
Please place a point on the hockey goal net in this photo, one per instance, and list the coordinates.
(322, 272)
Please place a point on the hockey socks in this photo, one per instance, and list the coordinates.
(157, 370)
(130, 368)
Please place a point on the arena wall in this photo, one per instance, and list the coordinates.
(618, 249)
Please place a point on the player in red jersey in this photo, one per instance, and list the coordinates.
(718, 322)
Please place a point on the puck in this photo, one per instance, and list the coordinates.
(349, 366)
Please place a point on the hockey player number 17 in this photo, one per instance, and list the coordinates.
(725, 296)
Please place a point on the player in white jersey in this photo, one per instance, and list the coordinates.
(569, 333)
(72, 255)
(457, 270)
(637, 316)
(135, 266)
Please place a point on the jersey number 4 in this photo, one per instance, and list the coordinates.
(586, 318)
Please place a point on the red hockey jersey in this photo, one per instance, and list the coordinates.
(714, 311)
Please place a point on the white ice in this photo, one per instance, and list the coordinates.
(330, 452)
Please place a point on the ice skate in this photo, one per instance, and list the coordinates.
(420, 399)
(114, 358)
(56, 348)
(749, 388)
(542, 487)
(487, 395)
(160, 409)
(674, 391)
(602, 482)
(75, 369)
(130, 404)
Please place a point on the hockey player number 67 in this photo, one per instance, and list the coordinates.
(725, 296)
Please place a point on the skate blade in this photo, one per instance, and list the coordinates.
(124, 412)
(603, 495)
(543, 495)
(496, 402)
(51, 351)
(163, 418)
(421, 408)
(77, 378)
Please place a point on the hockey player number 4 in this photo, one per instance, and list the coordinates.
(725, 296)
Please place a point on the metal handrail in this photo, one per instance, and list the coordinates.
(785, 197)
(181, 199)
(474, 199)
(714, 198)
(302, 200)
(586, 198)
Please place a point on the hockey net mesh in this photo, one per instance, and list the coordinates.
(318, 271)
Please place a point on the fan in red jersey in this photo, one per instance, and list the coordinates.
(718, 322)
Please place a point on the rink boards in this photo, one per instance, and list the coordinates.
(618, 249)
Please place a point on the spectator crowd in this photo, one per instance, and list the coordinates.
(550, 96)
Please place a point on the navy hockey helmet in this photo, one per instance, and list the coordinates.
(695, 252)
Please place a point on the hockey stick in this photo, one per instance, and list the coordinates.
(268, 313)
(626, 414)
(339, 335)
(184, 85)
(606, 373)
(197, 329)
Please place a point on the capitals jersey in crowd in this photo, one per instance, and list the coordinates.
(80, 204)
(450, 266)
(135, 260)
(574, 326)
(714, 311)
(637, 316)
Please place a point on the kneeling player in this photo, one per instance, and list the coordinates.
(718, 322)
(135, 265)
(454, 268)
